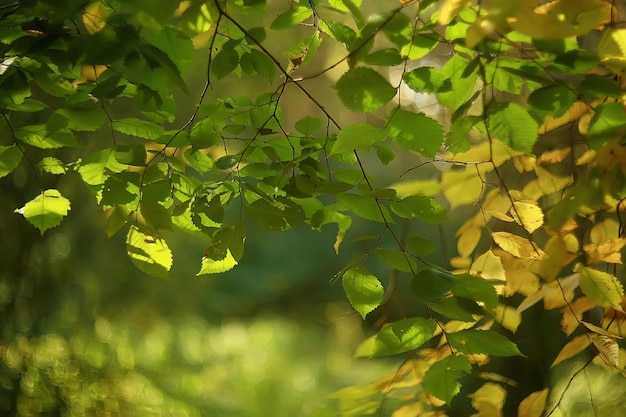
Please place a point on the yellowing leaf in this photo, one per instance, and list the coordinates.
(573, 313)
(517, 246)
(549, 183)
(450, 8)
(461, 187)
(554, 294)
(519, 277)
(525, 163)
(555, 258)
(534, 404)
(488, 266)
(94, 17)
(468, 241)
(574, 113)
(599, 330)
(608, 348)
(409, 410)
(604, 230)
(572, 348)
(554, 156)
(527, 215)
(602, 287)
(508, 317)
(488, 400)
(561, 19)
(608, 251)
(612, 49)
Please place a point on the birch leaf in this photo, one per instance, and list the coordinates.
(534, 404)
(517, 246)
(572, 348)
(527, 215)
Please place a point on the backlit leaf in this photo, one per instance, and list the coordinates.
(357, 136)
(94, 17)
(512, 124)
(217, 266)
(291, 17)
(363, 90)
(602, 287)
(608, 349)
(364, 290)
(415, 132)
(489, 399)
(516, 245)
(149, 253)
(534, 404)
(10, 158)
(488, 266)
(46, 210)
(403, 336)
(528, 215)
(139, 128)
(572, 348)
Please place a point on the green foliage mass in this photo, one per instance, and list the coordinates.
(508, 116)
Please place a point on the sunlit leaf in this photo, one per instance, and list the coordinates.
(139, 128)
(291, 17)
(572, 348)
(415, 132)
(512, 124)
(528, 215)
(217, 266)
(534, 404)
(516, 245)
(489, 399)
(608, 349)
(488, 266)
(602, 287)
(357, 136)
(46, 210)
(403, 336)
(149, 253)
(364, 290)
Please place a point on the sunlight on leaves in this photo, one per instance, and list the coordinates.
(534, 404)
(602, 287)
(46, 210)
(149, 253)
(364, 290)
(516, 245)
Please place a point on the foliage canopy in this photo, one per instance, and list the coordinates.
(509, 115)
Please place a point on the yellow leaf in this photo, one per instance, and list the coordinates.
(517, 246)
(508, 317)
(562, 19)
(519, 278)
(450, 9)
(608, 348)
(461, 187)
(554, 156)
(574, 113)
(555, 258)
(496, 201)
(573, 313)
(409, 410)
(527, 215)
(550, 183)
(488, 400)
(600, 330)
(94, 17)
(608, 251)
(500, 216)
(525, 163)
(488, 266)
(468, 241)
(460, 263)
(555, 294)
(602, 287)
(534, 404)
(572, 348)
(604, 230)
(612, 49)
(428, 188)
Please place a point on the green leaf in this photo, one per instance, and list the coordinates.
(328, 215)
(512, 124)
(421, 246)
(10, 158)
(432, 284)
(339, 32)
(131, 154)
(139, 128)
(457, 308)
(263, 65)
(425, 208)
(460, 82)
(396, 259)
(51, 165)
(308, 125)
(176, 45)
(291, 17)
(83, 120)
(415, 132)
(602, 287)
(304, 51)
(608, 120)
(552, 100)
(364, 207)
(424, 79)
(46, 210)
(39, 137)
(121, 188)
(357, 136)
(403, 336)
(92, 169)
(475, 288)
(488, 342)
(156, 216)
(149, 253)
(384, 57)
(282, 215)
(224, 62)
(198, 160)
(203, 134)
(599, 86)
(217, 266)
(363, 90)
(442, 378)
(364, 290)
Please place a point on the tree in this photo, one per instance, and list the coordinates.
(510, 116)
